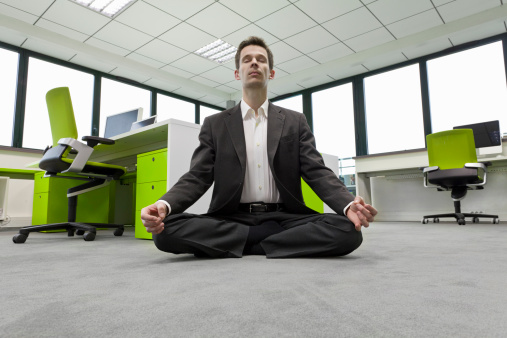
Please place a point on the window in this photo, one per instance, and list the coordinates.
(468, 87)
(117, 97)
(171, 108)
(8, 81)
(394, 119)
(42, 77)
(293, 103)
(333, 111)
(205, 112)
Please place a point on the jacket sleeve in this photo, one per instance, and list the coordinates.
(193, 184)
(320, 178)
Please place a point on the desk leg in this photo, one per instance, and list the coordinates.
(363, 187)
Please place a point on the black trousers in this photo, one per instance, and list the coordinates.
(305, 235)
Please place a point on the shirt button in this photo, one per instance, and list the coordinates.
(258, 144)
(260, 188)
(258, 165)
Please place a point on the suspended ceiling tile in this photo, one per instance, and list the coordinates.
(161, 51)
(35, 7)
(352, 24)
(283, 52)
(75, 17)
(441, 2)
(50, 49)
(147, 19)
(344, 72)
(231, 64)
(217, 20)
(415, 24)
(62, 30)
(279, 73)
(297, 64)
(164, 85)
(311, 40)
(177, 71)
(123, 36)
(478, 32)
(286, 22)
(89, 62)
(315, 81)
(383, 9)
(327, 9)
(205, 81)
(385, 60)
(187, 37)
(190, 93)
(211, 99)
(426, 48)
(462, 8)
(227, 89)
(330, 53)
(219, 74)
(17, 14)
(235, 84)
(369, 40)
(194, 64)
(145, 60)
(255, 10)
(129, 74)
(11, 37)
(107, 46)
(286, 88)
(181, 10)
(245, 32)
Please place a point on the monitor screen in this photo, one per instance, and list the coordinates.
(122, 122)
(487, 137)
(143, 123)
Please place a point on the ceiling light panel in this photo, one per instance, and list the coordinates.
(218, 51)
(109, 8)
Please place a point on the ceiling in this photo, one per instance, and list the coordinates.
(313, 41)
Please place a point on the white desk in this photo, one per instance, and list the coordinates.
(393, 183)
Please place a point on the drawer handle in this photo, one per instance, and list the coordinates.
(152, 187)
(153, 159)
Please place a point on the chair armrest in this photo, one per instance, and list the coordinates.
(428, 169)
(83, 154)
(479, 165)
(92, 141)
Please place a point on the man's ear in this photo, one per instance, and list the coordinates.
(236, 75)
(272, 74)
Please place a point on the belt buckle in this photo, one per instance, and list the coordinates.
(254, 205)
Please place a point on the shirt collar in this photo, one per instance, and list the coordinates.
(245, 108)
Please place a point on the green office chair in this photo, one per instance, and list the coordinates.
(59, 160)
(453, 166)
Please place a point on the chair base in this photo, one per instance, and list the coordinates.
(460, 217)
(88, 230)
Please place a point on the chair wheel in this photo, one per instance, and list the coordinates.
(461, 222)
(118, 232)
(495, 221)
(80, 232)
(89, 236)
(19, 238)
(475, 220)
(436, 220)
(424, 221)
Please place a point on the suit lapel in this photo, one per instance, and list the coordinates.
(234, 125)
(276, 119)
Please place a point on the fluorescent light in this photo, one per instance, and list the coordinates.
(109, 8)
(218, 51)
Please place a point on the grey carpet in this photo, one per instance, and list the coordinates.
(406, 280)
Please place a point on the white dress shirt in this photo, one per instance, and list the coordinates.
(259, 184)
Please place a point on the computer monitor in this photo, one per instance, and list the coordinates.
(487, 137)
(122, 122)
(143, 123)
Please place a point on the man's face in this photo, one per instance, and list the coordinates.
(254, 67)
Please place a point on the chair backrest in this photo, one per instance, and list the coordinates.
(451, 149)
(61, 114)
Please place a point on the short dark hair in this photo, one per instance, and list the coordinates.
(256, 41)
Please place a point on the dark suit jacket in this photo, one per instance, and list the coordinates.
(221, 158)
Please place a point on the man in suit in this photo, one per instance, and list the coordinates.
(256, 153)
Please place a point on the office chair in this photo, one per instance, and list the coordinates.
(453, 166)
(58, 161)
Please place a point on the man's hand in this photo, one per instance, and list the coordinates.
(152, 217)
(361, 214)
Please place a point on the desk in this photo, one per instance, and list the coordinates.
(397, 175)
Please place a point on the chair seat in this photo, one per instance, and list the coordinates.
(454, 177)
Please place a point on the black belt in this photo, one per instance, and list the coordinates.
(260, 207)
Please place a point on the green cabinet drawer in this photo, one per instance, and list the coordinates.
(41, 184)
(148, 193)
(40, 208)
(140, 229)
(152, 166)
